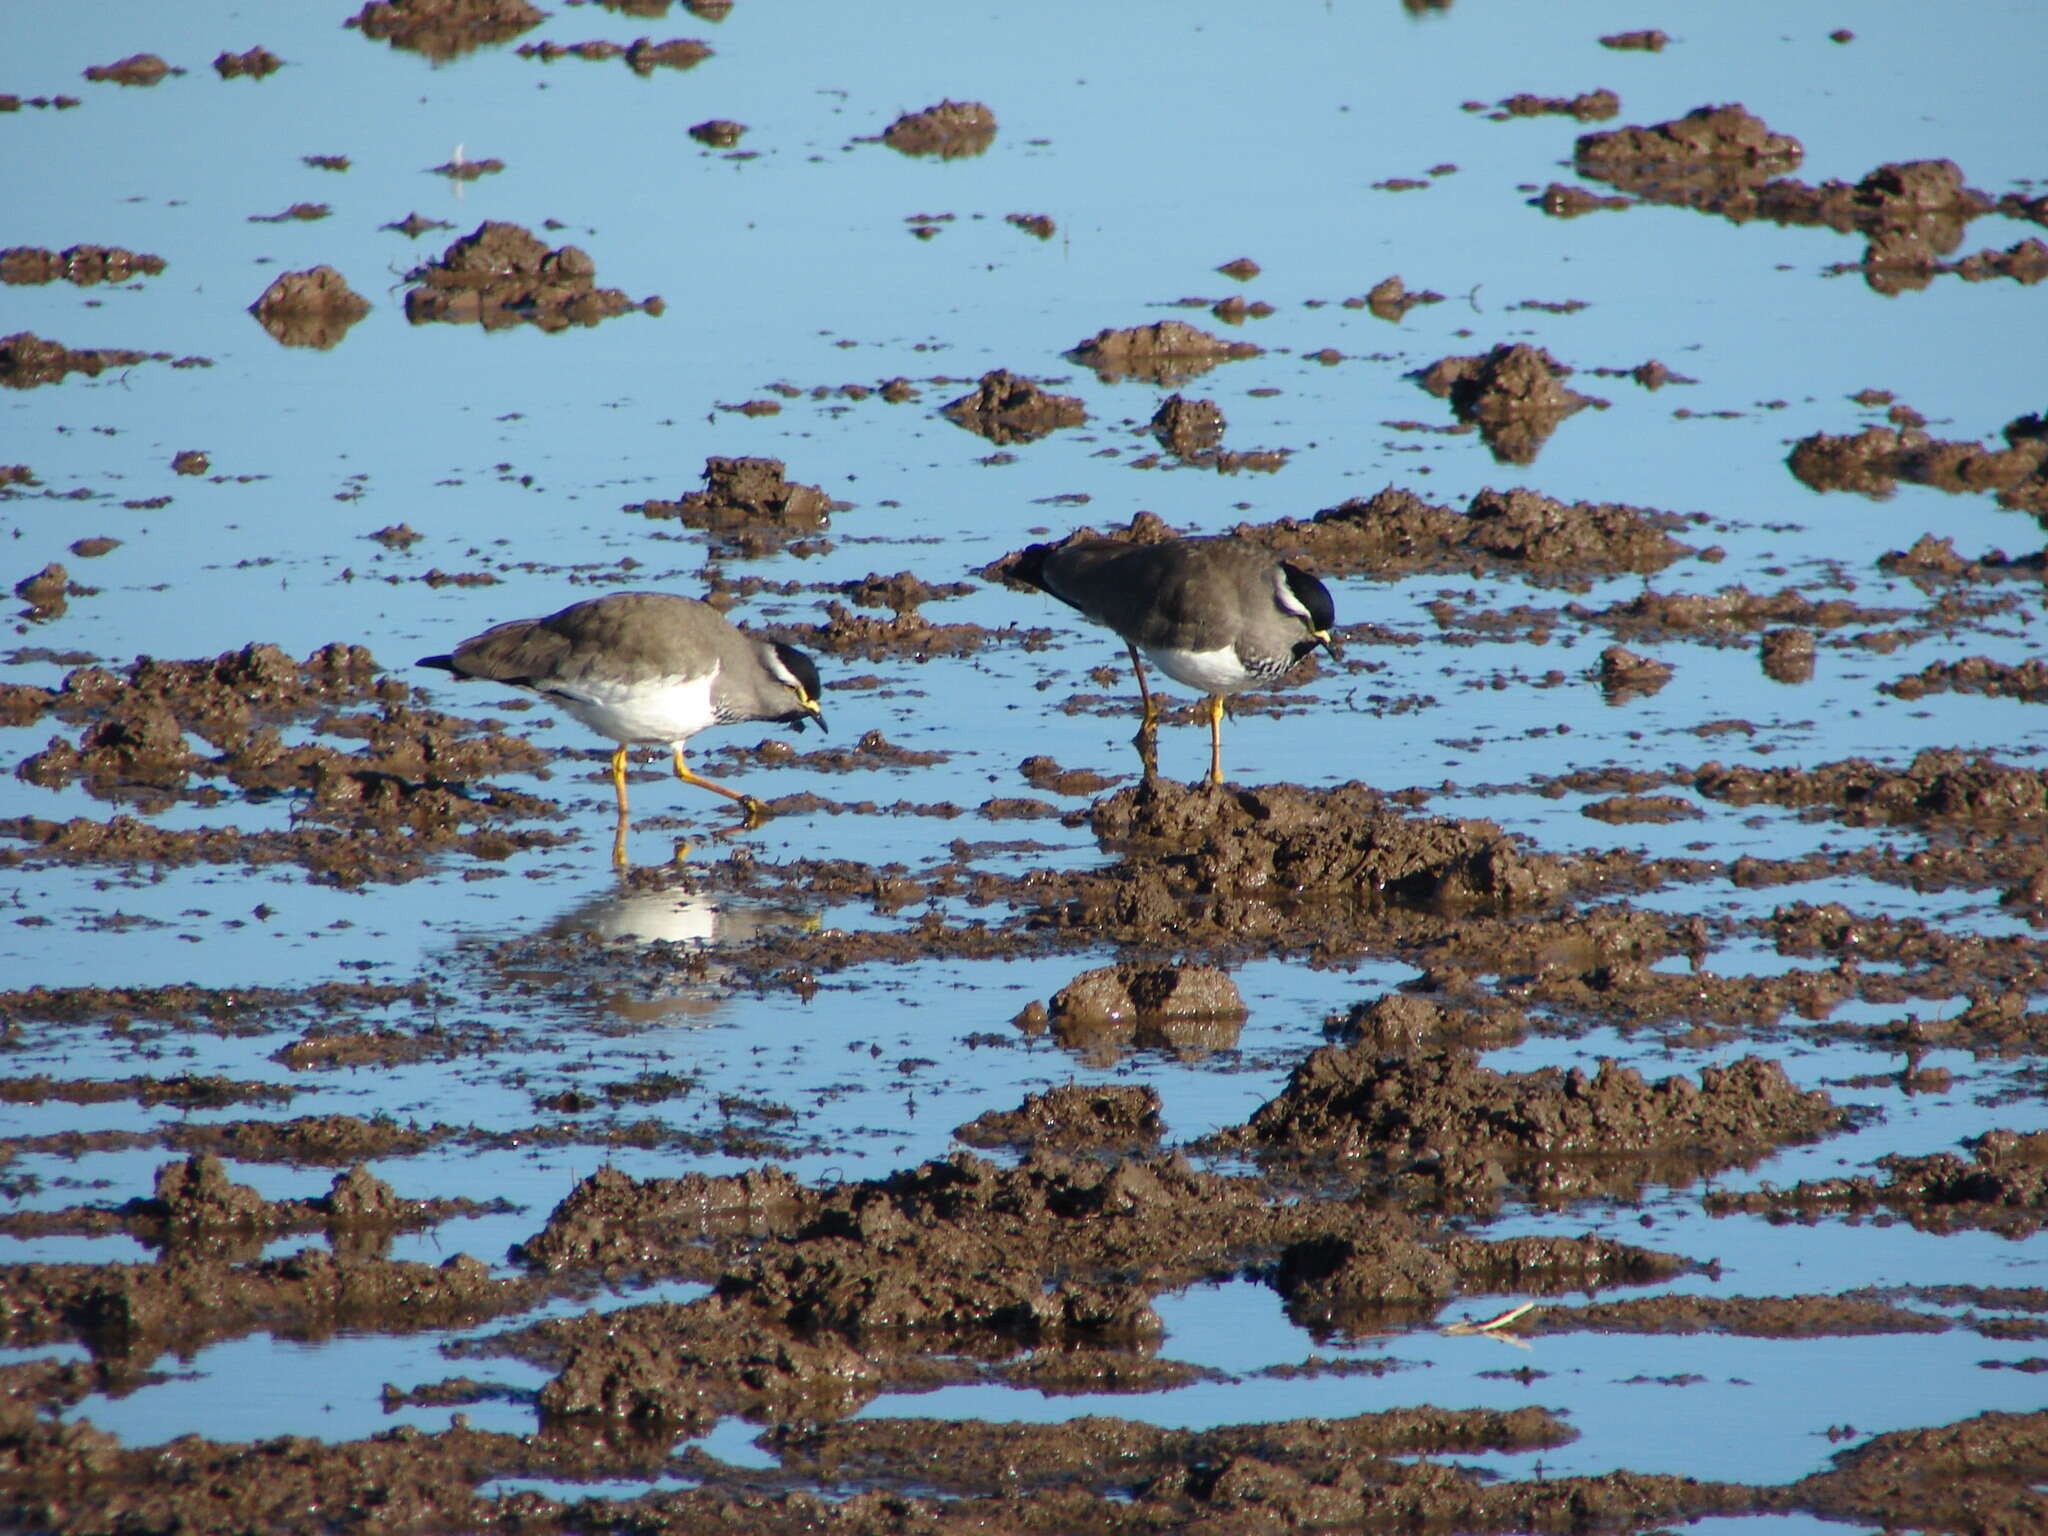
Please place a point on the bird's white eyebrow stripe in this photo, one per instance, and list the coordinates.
(1284, 595)
(774, 661)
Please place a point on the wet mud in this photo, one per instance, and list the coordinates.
(373, 811)
(1728, 162)
(951, 130)
(1514, 395)
(500, 274)
(1359, 1200)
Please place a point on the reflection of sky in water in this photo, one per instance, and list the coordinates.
(1163, 142)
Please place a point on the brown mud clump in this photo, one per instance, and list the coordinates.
(1096, 1117)
(1587, 107)
(643, 56)
(1937, 786)
(27, 360)
(1691, 159)
(1873, 462)
(81, 265)
(749, 507)
(2027, 682)
(1167, 352)
(1649, 40)
(1623, 675)
(136, 69)
(47, 593)
(253, 65)
(1561, 1133)
(1191, 1010)
(500, 274)
(718, 133)
(441, 29)
(1390, 299)
(1515, 395)
(1787, 655)
(372, 813)
(1723, 161)
(2001, 1187)
(314, 308)
(1519, 532)
(1279, 864)
(952, 130)
(1007, 408)
(1188, 428)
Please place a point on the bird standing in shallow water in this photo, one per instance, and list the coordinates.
(646, 668)
(1218, 614)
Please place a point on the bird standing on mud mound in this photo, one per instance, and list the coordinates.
(1218, 614)
(646, 668)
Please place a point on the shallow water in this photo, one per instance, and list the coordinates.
(1163, 142)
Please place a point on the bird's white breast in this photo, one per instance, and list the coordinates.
(1217, 671)
(644, 709)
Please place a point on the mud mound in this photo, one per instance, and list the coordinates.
(1689, 159)
(500, 274)
(81, 265)
(1190, 1010)
(1514, 395)
(253, 65)
(1476, 1127)
(643, 55)
(903, 633)
(952, 130)
(1873, 462)
(136, 69)
(1186, 428)
(314, 308)
(1519, 532)
(1234, 858)
(826, 1298)
(749, 507)
(1072, 1118)
(396, 797)
(1623, 675)
(1976, 674)
(1937, 786)
(441, 29)
(140, 1310)
(2001, 1187)
(27, 360)
(1167, 352)
(1007, 408)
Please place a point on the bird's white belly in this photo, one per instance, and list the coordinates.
(664, 709)
(1217, 671)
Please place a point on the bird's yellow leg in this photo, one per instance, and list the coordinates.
(619, 788)
(1215, 738)
(754, 809)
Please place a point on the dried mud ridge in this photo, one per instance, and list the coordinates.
(442, 29)
(1727, 162)
(1005, 408)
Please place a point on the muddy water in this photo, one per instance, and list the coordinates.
(1640, 920)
